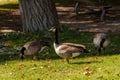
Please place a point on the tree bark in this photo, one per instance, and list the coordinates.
(38, 15)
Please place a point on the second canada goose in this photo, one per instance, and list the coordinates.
(101, 41)
(32, 48)
(68, 50)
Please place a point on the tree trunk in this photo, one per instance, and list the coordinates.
(38, 15)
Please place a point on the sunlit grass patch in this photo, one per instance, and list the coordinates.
(51, 66)
(9, 4)
(8, 1)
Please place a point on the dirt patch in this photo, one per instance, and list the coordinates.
(90, 22)
(10, 20)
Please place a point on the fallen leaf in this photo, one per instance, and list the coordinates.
(117, 73)
(41, 67)
(88, 73)
(22, 77)
(49, 66)
(86, 68)
(11, 73)
(35, 65)
(100, 69)
(34, 68)
(33, 60)
(6, 64)
(20, 66)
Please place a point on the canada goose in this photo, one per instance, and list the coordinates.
(67, 50)
(101, 41)
(32, 48)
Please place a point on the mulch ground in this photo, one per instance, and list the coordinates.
(10, 20)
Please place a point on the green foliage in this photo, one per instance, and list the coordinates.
(51, 66)
(18, 38)
(12, 4)
(9, 6)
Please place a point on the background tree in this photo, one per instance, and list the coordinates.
(38, 15)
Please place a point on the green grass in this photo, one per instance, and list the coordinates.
(52, 67)
(12, 4)
(8, 1)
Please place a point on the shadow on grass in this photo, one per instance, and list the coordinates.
(8, 57)
(88, 62)
(11, 57)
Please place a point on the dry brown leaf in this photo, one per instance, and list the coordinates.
(88, 73)
(90, 59)
(20, 66)
(35, 65)
(33, 60)
(22, 77)
(86, 68)
(100, 69)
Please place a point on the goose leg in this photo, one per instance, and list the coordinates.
(22, 56)
(67, 60)
(99, 51)
(95, 51)
(103, 50)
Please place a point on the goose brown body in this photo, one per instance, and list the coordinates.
(68, 50)
(32, 48)
(101, 41)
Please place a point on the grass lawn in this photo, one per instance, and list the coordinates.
(52, 67)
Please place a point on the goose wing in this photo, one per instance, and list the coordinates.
(32, 44)
(75, 45)
(69, 48)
